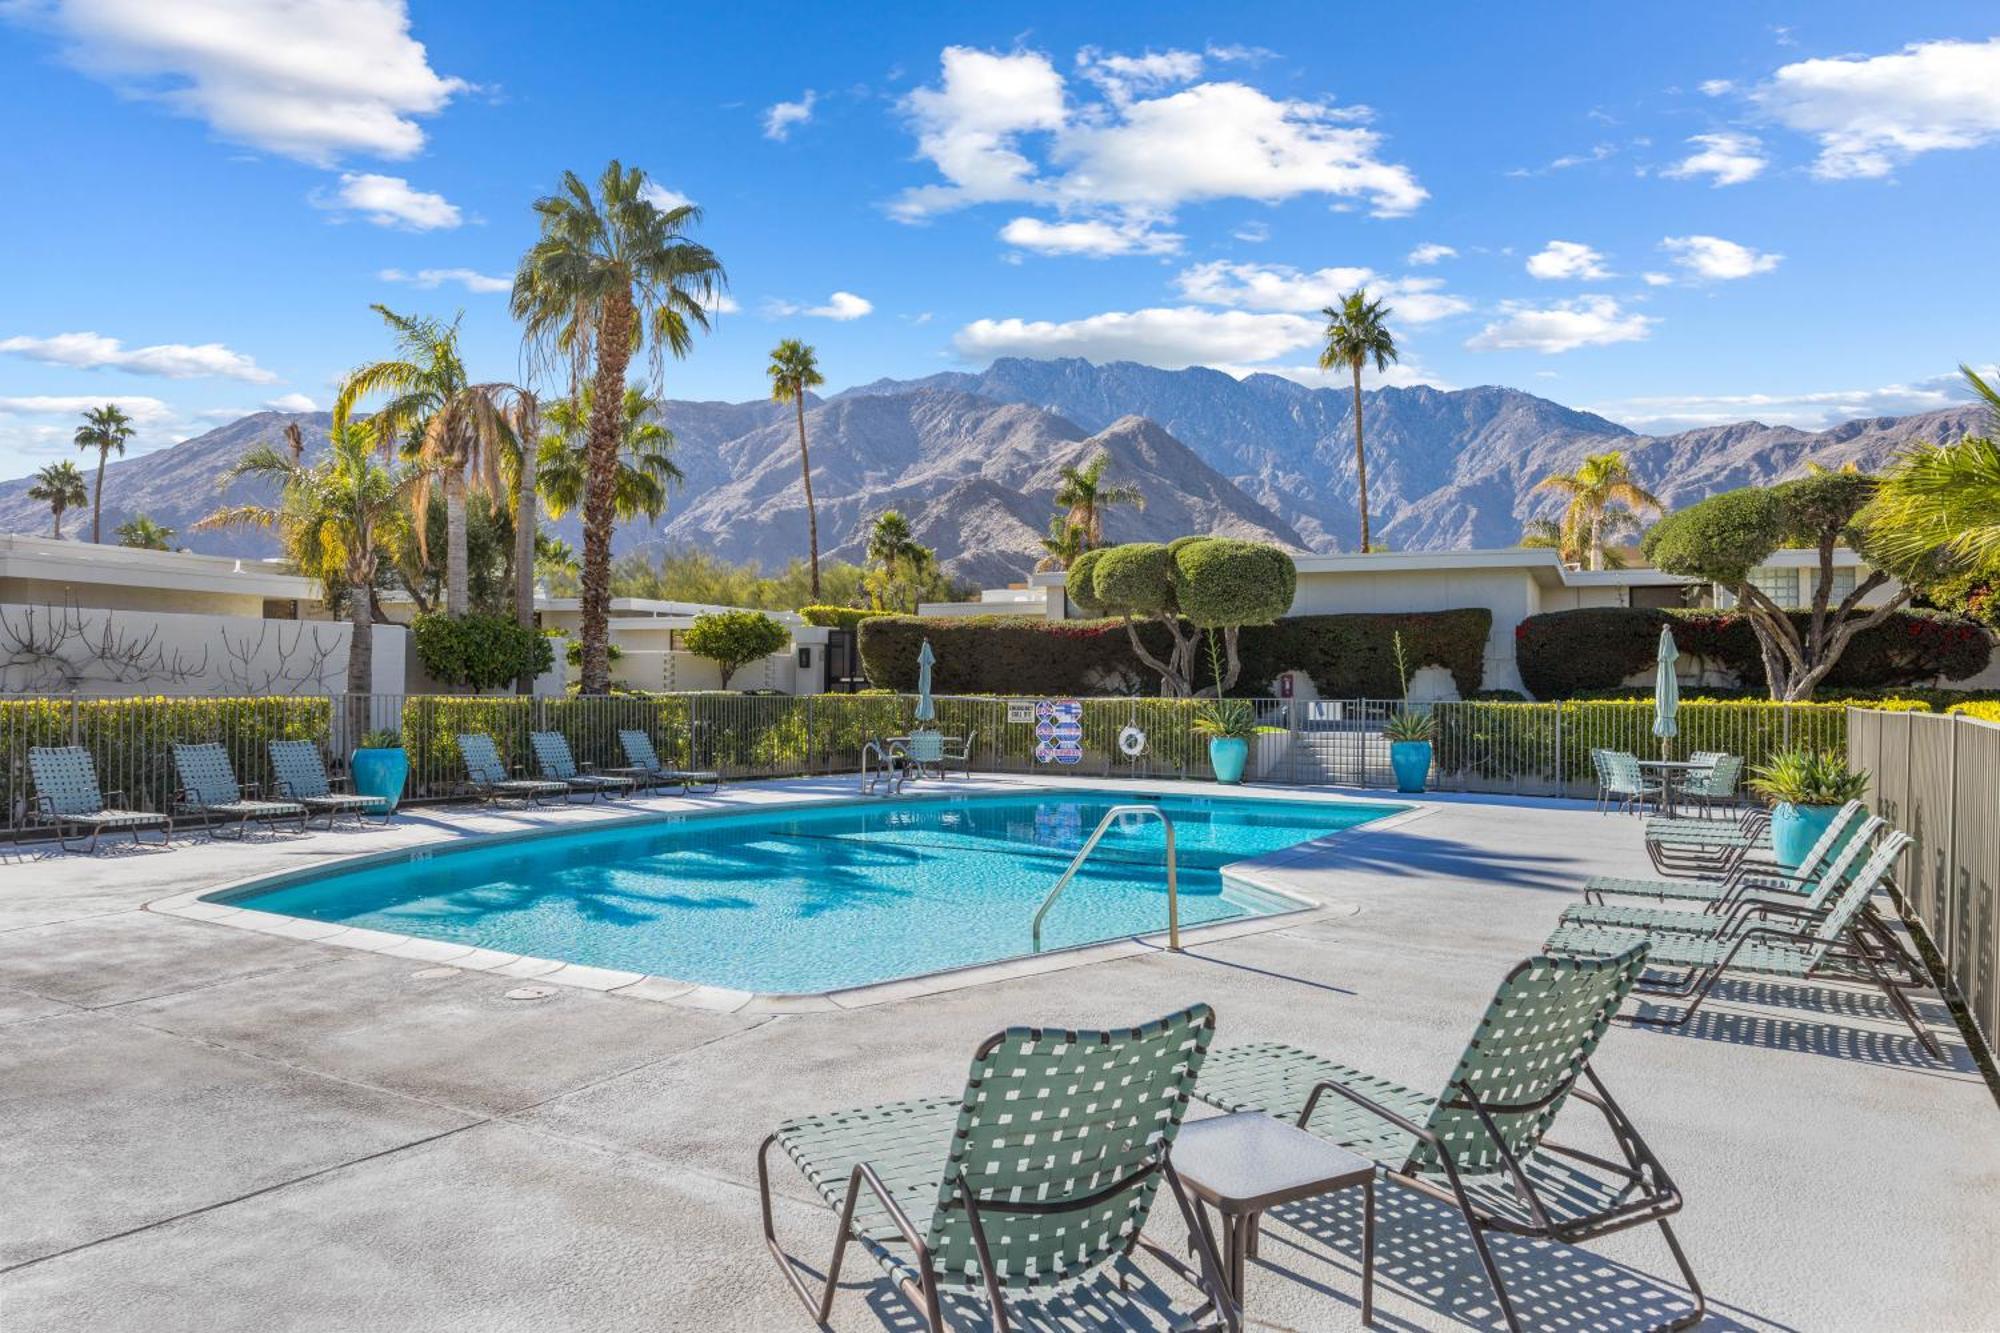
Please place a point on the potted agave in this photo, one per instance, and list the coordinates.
(1410, 733)
(380, 768)
(1229, 724)
(1805, 789)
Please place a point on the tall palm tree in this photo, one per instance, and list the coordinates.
(453, 430)
(1064, 543)
(1085, 496)
(794, 369)
(899, 563)
(61, 487)
(142, 532)
(335, 518)
(1603, 497)
(646, 467)
(105, 429)
(1357, 332)
(611, 273)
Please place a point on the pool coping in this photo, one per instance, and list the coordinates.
(1254, 873)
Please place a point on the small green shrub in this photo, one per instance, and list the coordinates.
(1412, 724)
(1807, 777)
(732, 639)
(479, 652)
(1224, 720)
(382, 739)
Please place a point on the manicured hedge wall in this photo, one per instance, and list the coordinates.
(1562, 654)
(837, 617)
(1347, 656)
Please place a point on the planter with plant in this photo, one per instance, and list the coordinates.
(1409, 733)
(1228, 724)
(1805, 789)
(380, 767)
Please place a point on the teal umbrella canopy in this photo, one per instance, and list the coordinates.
(926, 659)
(1666, 690)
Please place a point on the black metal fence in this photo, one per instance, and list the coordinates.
(1938, 779)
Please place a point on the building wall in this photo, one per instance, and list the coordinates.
(654, 669)
(1510, 594)
(118, 597)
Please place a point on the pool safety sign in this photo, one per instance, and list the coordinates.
(1020, 710)
(1058, 731)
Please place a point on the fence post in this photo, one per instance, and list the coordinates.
(1561, 788)
(1948, 947)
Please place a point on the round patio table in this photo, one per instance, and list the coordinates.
(1668, 769)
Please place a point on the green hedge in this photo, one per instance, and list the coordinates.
(1563, 654)
(838, 617)
(1347, 656)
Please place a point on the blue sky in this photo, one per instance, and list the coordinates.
(1670, 214)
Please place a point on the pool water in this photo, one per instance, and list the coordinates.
(824, 897)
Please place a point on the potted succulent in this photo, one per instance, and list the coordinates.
(1805, 788)
(1229, 724)
(380, 768)
(1410, 733)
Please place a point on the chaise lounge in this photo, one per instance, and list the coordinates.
(647, 770)
(487, 777)
(67, 797)
(558, 765)
(209, 790)
(302, 777)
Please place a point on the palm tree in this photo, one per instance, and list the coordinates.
(794, 369)
(105, 429)
(455, 431)
(1942, 501)
(1085, 495)
(611, 273)
(335, 518)
(1064, 543)
(645, 458)
(1603, 497)
(61, 487)
(144, 533)
(899, 564)
(1356, 333)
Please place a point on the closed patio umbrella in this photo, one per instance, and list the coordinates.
(926, 709)
(1666, 691)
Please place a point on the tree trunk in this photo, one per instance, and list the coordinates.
(457, 599)
(1360, 460)
(1596, 539)
(528, 428)
(812, 515)
(97, 502)
(600, 478)
(361, 646)
(58, 528)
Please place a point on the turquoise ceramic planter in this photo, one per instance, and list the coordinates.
(1227, 755)
(1412, 762)
(381, 774)
(1795, 828)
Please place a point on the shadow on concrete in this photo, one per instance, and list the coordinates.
(1409, 853)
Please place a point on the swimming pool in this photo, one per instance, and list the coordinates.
(818, 898)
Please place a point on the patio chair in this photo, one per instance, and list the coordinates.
(647, 768)
(1621, 782)
(1744, 871)
(67, 797)
(301, 774)
(1716, 784)
(1845, 942)
(558, 765)
(1040, 1175)
(923, 752)
(1482, 1145)
(209, 789)
(958, 755)
(487, 777)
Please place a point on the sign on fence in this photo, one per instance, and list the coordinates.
(1059, 731)
(1020, 711)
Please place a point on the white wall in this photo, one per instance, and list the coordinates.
(652, 669)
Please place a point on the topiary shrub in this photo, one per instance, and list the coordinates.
(479, 652)
(838, 617)
(730, 639)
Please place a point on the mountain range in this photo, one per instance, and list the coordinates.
(972, 458)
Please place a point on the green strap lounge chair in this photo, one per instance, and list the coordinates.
(210, 791)
(301, 777)
(1034, 1180)
(647, 770)
(487, 777)
(1621, 783)
(1482, 1144)
(1745, 875)
(958, 754)
(1844, 943)
(68, 799)
(558, 765)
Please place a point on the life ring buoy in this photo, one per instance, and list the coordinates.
(1131, 741)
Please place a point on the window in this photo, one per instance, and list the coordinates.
(1780, 585)
(1843, 584)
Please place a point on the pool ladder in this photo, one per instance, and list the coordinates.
(1090, 845)
(892, 774)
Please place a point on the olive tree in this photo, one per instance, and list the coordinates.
(1723, 538)
(731, 639)
(1193, 586)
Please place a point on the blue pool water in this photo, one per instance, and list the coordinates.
(824, 897)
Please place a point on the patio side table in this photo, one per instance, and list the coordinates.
(1242, 1164)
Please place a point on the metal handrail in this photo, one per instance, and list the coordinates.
(895, 774)
(1090, 845)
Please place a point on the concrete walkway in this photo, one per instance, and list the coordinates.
(206, 1128)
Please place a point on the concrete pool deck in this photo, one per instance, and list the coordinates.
(205, 1127)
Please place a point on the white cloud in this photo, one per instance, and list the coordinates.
(1171, 338)
(174, 361)
(1714, 258)
(1094, 239)
(143, 410)
(1430, 252)
(724, 304)
(1812, 410)
(1567, 259)
(781, 117)
(1120, 76)
(292, 402)
(1282, 287)
(1657, 279)
(660, 197)
(842, 306)
(429, 278)
(309, 79)
(1717, 87)
(390, 201)
(1253, 233)
(1727, 158)
(1590, 321)
(1141, 155)
(1871, 112)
